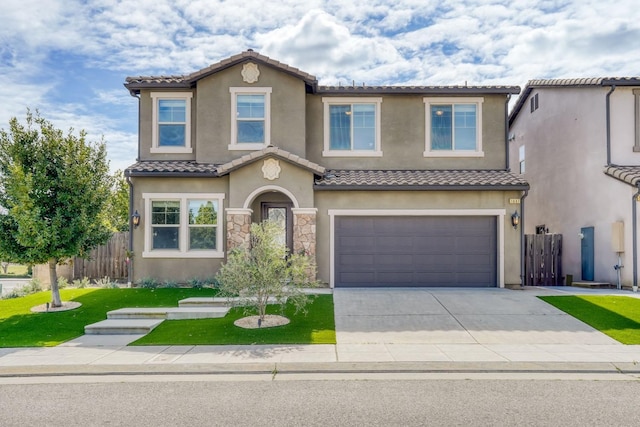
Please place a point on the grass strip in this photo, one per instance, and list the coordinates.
(316, 327)
(19, 327)
(615, 316)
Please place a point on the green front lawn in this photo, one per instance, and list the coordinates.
(15, 271)
(616, 316)
(19, 327)
(316, 327)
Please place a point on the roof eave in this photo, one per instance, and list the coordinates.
(321, 187)
(169, 174)
(441, 90)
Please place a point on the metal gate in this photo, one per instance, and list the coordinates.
(543, 260)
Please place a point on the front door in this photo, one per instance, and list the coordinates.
(587, 252)
(280, 213)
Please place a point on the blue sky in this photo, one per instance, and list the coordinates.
(69, 58)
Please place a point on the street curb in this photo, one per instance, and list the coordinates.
(325, 368)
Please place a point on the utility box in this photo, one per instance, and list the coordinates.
(617, 236)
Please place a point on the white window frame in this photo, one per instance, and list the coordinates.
(428, 152)
(328, 152)
(235, 91)
(183, 246)
(155, 99)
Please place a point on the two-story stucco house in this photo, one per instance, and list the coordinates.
(577, 142)
(383, 186)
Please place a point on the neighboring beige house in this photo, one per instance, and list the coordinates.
(382, 185)
(577, 142)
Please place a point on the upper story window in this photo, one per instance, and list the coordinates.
(534, 103)
(183, 225)
(453, 127)
(171, 131)
(250, 118)
(521, 158)
(352, 127)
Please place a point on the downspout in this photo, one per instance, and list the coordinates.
(137, 96)
(634, 221)
(130, 254)
(608, 119)
(526, 192)
(506, 130)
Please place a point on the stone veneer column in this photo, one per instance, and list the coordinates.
(238, 227)
(304, 232)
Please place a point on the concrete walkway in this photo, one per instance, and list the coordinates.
(409, 329)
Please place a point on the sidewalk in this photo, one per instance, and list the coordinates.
(100, 354)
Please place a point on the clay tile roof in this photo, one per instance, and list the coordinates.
(189, 80)
(171, 167)
(628, 174)
(270, 151)
(370, 90)
(421, 179)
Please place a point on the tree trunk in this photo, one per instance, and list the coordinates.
(53, 277)
(5, 267)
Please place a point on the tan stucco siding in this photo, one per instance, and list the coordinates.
(402, 129)
(293, 179)
(213, 111)
(419, 200)
(175, 269)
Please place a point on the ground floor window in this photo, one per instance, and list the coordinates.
(183, 225)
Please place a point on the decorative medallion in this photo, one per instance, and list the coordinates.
(271, 169)
(250, 72)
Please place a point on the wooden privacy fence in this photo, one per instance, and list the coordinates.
(543, 260)
(106, 260)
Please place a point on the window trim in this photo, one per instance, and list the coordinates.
(428, 152)
(328, 101)
(155, 100)
(235, 91)
(183, 245)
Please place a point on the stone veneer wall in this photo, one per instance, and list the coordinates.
(304, 238)
(238, 230)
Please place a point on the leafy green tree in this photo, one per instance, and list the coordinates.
(265, 272)
(117, 206)
(53, 188)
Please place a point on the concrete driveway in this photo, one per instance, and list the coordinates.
(455, 316)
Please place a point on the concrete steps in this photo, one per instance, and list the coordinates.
(592, 285)
(142, 320)
(172, 313)
(122, 326)
(214, 301)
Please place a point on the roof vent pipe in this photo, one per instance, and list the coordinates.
(613, 87)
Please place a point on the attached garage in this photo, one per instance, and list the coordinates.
(415, 251)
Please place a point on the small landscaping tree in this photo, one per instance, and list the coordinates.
(265, 272)
(53, 188)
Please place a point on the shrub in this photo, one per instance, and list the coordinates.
(148, 282)
(106, 282)
(81, 283)
(169, 284)
(266, 271)
(62, 282)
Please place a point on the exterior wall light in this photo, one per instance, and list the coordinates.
(135, 219)
(515, 219)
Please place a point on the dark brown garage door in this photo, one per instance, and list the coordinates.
(429, 251)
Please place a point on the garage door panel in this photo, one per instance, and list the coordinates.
(415, 251)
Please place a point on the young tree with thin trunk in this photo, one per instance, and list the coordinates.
(265, 273)
(53, 190)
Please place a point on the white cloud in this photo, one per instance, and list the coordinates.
(372, 41)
